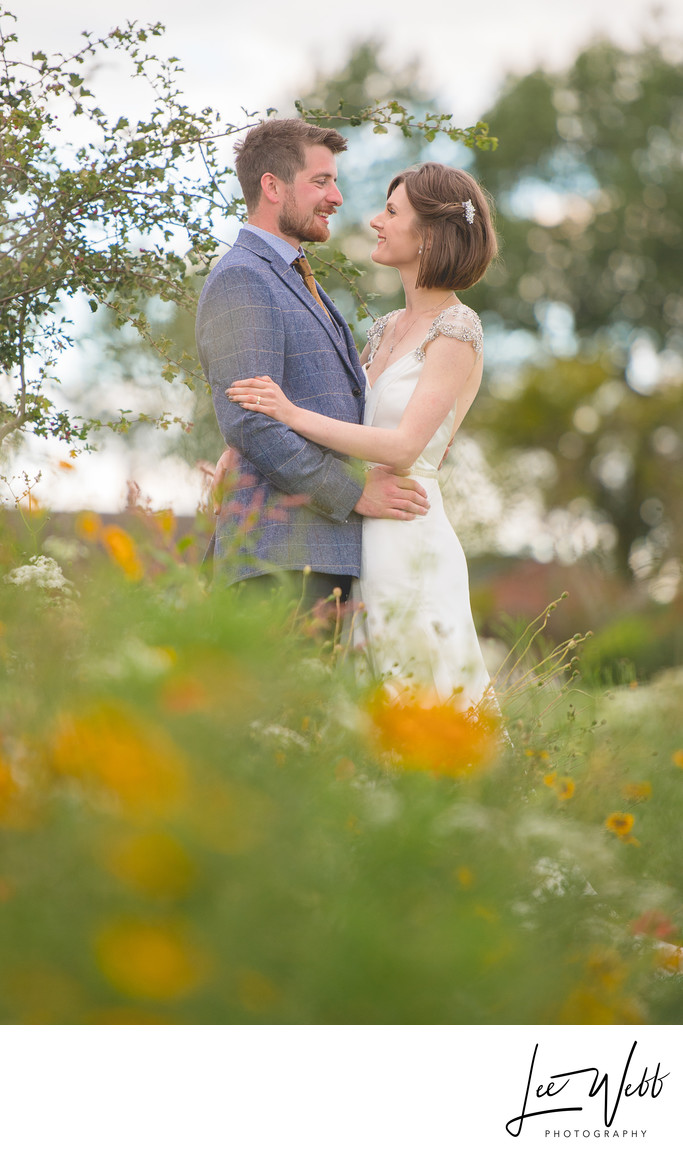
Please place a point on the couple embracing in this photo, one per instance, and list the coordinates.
(298, 404)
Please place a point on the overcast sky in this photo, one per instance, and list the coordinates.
(253, 54)
(256, 55)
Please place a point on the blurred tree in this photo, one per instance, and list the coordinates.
(589, 188)
(589, 191)
(607, 460)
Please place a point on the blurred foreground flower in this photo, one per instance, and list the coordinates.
(600, 998)
(563, 786)
(41, 571)
(88, 525)
(621, 825)
(637, 792)
(153, 863)
(121, 548)
(439, 737)
(655, 923)
(150, 960)
(111, 746)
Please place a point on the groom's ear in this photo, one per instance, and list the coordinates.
(271, 187)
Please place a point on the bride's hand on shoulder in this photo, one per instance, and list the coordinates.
(261, 393)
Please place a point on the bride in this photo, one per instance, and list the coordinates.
(423, 366)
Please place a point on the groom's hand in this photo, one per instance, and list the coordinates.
(387, 495)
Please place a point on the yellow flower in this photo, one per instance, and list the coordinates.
(153, 863)
(150, 960)
(166, 522)
(565, 788)
(620, 824)
(88, 525)
(677, 758)
(111, 746)
(8, 787)
(122, 549)
(434, 737)
(590, 1006)
(465, 877)
(637, 791)
(66, 466)
(599, 999)
(562, 785)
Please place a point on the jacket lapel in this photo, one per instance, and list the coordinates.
(338, 331)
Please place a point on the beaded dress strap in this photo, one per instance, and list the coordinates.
(458, 322)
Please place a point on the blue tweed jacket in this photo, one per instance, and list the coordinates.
(293, 503)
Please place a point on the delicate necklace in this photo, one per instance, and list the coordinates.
(395, 341)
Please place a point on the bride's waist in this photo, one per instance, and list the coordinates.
(416, 470)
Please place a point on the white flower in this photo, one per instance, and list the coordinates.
(41, 571)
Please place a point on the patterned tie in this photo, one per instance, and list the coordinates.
(304, 269)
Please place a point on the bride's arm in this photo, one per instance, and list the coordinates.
(452, 371)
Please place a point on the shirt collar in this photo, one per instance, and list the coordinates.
(282, 247)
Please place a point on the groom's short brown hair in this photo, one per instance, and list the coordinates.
(455, 251)
(279, 146)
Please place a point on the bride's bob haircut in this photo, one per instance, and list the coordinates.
(458, 243)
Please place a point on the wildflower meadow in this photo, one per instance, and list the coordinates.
(208, 816)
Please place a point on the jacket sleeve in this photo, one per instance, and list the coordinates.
(240, 333)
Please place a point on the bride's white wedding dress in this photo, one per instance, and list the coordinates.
(417, 627)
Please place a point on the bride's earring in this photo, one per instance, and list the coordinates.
(419, 251)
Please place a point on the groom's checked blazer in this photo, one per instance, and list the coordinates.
(293, 504)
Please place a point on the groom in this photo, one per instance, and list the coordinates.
(295, 505)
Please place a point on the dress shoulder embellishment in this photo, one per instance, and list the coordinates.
(375, 334)
(458, 322)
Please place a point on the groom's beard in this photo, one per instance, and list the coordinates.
(304, 227)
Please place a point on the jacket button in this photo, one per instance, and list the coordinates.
(356, 391)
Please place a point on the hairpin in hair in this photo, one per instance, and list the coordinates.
(469, 211)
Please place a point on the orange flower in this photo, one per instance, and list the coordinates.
(150, 960)
(439, 737)
(111, 746)
(620, 824)
(677, 758)
(550, 780)
(88, 525)
(66, 466)
(122, 549)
